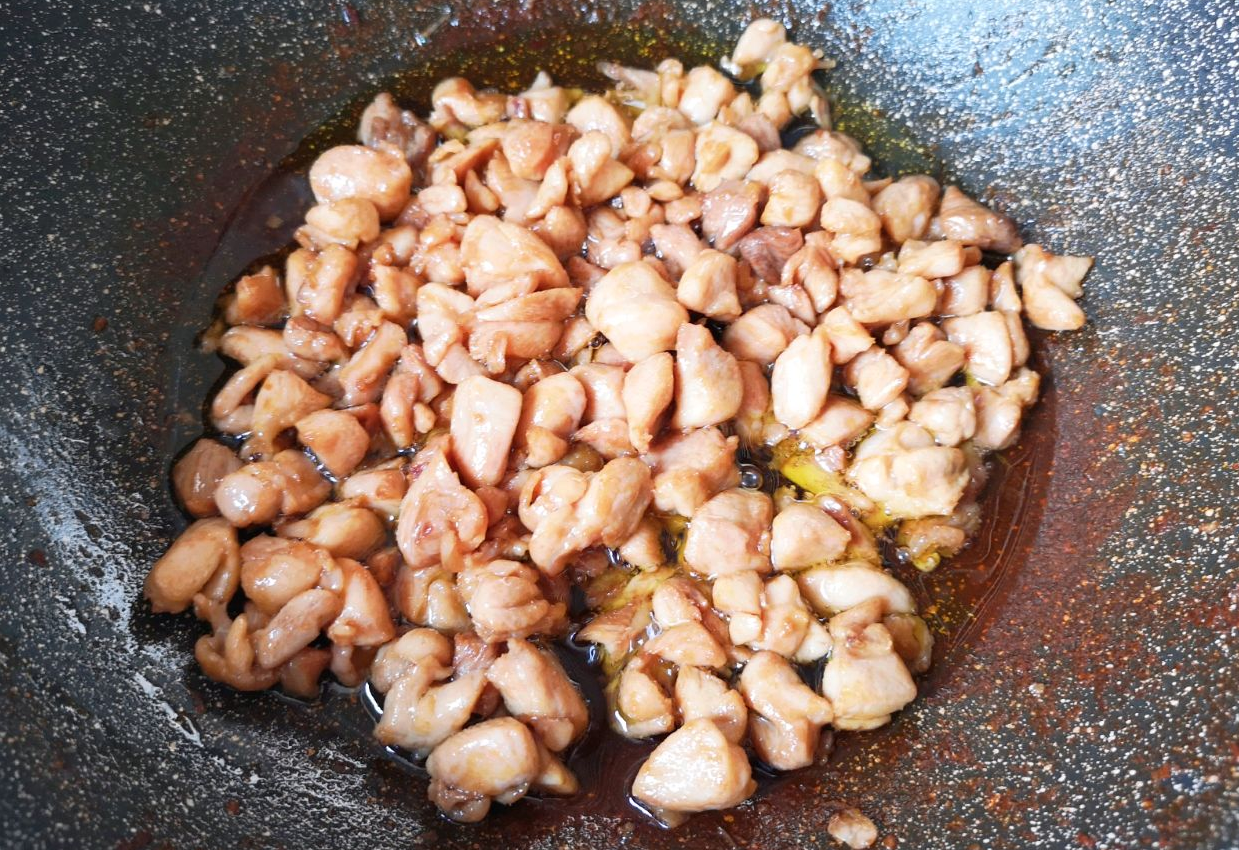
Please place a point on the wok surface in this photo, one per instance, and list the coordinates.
(1095, 701)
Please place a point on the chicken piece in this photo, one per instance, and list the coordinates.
(913, 641)
(854, 230)
(308, 339)
(1051, 285)
(495, 760)
(609, 512)
(385, 123)
(548, 490)
(206, 553)
(708, 286)
(364, 619)
(770, 617)
(750, 419)
(485, 415)
(695, 769)
(494, 252)
(440, 519)
(228, 656)
(543, 101)
(595, 113)
(937, 259)
(274, 570)
(197, 474)
(641, 708)
(531, 147)
(847, 336)
(321, 282)
(676, 245)
(551, 412)
(965, 293)
(787, 717)
(756, 45)
(344, 530)
(948, 413)
(1000, 286)
(877, 378)
(800, 380)
(907, 474)
(835, 180)
(505, 602)
(296, 625)
(705, 92)
(803, 535)
(865, 679)
(906, 206)
(831, 588)
(691, 468)
(850, 827)
(282, 399)
(767, 250)
(1024, 387)
(687, 644)
(840, 422)
(729, 533)
(795, 200)
(649, 387)
(643, 548)
(537, 691)
(429, 597)
(456, 102)
(880, 297)
(963, 219)
(636, 309)
(337, 439)
(829, 144)
(762, 333)
(251, 495)
(363, 376)
(381, 176)
(256, 299)
(418, 717)
(986, 340)
(250, 346)
(929, 358)
(997, 418)
(707, 380)
(722, 153)
(813, 269)
(729, 211)
(700, 695)
(604, 390)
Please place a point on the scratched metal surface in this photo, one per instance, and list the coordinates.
(1093, 703)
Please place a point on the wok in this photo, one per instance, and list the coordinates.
(1086, 692)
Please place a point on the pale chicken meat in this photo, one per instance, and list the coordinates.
(536, 690)
(690, 468)
(496, 760)
(695, 769)
(865, 679)
(800, 380)
(729, 211)
(986, 340)
(708, 286)
(199, 471)
(701, 695)
(505, 601)
(802, 535)
(762, 333)
(485, 414)
(840, 423)
(730, 533)
(907, 205)
(636, 309)
(831, 588)
(440, 518)
(642, 708)
(930, 359)
(649, 388)
(905, 472)
(949, 414)
(708, 388)
(1051, 285)
(787, 717)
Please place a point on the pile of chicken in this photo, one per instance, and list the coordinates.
(511, 365)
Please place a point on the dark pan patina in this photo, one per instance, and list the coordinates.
(1087, 691)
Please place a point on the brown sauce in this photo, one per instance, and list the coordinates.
(955, 599)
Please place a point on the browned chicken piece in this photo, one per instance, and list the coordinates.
(494, 252)
(321, 282)
(303, 486)
(813, 269)
(700, 695)
(249, 346)
(986, 340)
(708, 286)
(551, 411)
(965, 293)
(707, 380)
(505, 601)
(865, 679)
(831, 588)
(428, 597)
(496, 760)
(930, 359)
(1051, 285)
(881, 297)
(835, 180)
(337, 439)
(256, 299)
(252, 494)
(381, 176)
(997, 419)
(532, 146)
(308, 339)
(800, 380)
(687, 644)
(296, 625)
(548, 490)
(282, 399)
(199, 471)
(803, 535)
(691, 468)
(770, 616)
(847, 336)
(787, 717)
(937, 259)
(228, 656)
(963, 219)
(485, 414)
(440, 519)
(205, 553)
(456, 102)
(730, 533)
(419, 714)
(636, 309)
(907, 206)
(948, 414)
(840, 422)
(907, 474)
(363, 376)
(641, 708)
(274, 570)
(853, 829)
(649, 387)
(762, 333)
(695, 769)
(677, 246)
(767, 250)
(364, 619)
(1002, 292)
(384, 123)
(536, 690)
(854, 229)
(877, 378)
(343, 529)
(729, 211)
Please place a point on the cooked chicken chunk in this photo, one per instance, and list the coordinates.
(690, 468)
(909, 476)
(696, 768)
(381, 176)
(986, 340)
(707, 380)
(649, 387)
(949, 414)
(801, 380)
(485, 414)
(205, 552)
(494, 760)
(198, 473)
(536, 690)
(440, 518)
(963, 219)
(762, 333)
(1051, 285)
(730, 533)
(865, 679)
(636, 309)
(708, 286)
(787, 715)
(831, 588)
(839, 424)
(803, 535)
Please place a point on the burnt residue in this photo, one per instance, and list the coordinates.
(1092, 704)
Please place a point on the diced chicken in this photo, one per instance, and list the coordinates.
(642, 708)
(598, 114)
(828, 144)
(381, 176)
(729, 211)
(997, 419)
(750, 419)
(730, 533)
(677, 245)
(643, 548)
(762, 333)
(803, 535)
(1002, 292)
(767, 250)
(906, 206)
(708, 286)
(691, 468)
(948, 413)
(274, 570)
(695, 769)
(428, 597)
(536, 690)
(854, 229)
(363, 376)
(881, 297)
(965, 293)
(840, 422)
(986, 340)
(364, 618)
(963, 219)
(440, 519)
(700, 695)
(636, 309)
(687, 644)
(604, 390)
(909, 476)
(865, 679)
(494, 252)
(505, 602)
(812, 268)
(485, 414)
(551, 412)
(1051, 284)
(913, 641)
(941, 258)
(707, 380)
(930, 359)
(852, 828)
(800, 380)
(344, 530)
(337, 439)
(705, 92)
(256, 299)
(847, 336)
(198, 473)
(385, 123)
(787, 715)
(494, 760)
(757, 43)
(831, 588)
(877, 378)
(649, 387)
(296, 625)
(205, 553)
(721, 153)
(835, 180)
